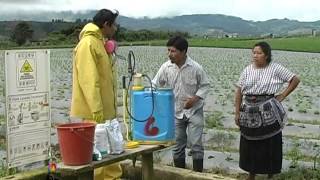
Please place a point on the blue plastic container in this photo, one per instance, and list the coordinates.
(160, 126)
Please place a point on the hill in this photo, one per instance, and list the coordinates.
(198, 24)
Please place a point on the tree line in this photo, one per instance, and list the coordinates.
(24, 33)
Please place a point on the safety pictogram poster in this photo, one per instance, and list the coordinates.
(27, 75)
(27, 106)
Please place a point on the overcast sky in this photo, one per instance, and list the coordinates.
(257, 10)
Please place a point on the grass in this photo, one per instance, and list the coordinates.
(1, 118)
(293, 137)
(39, 47)
(313, 122)
(300, 173)
(213, 120)
(305, 136)
(222, 143)
(298, 157)
(4, 171)
(303, 44)
(222, 149)
(300, 44)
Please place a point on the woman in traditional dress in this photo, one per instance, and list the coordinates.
(259, 112)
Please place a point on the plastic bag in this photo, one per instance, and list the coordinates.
(115, 137)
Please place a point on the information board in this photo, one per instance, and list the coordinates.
(27, 97)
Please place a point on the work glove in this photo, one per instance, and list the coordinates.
(98, 116)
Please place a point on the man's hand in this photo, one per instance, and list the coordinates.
(98, 116)
(191, 101)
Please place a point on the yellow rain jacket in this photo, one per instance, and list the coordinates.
(94, 83)
(94, 86)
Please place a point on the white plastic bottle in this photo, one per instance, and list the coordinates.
(101, 141)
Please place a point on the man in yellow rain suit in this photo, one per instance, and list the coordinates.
(94, 80)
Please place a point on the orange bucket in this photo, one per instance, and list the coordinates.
(76, 143)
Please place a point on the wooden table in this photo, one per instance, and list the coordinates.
(85, 172)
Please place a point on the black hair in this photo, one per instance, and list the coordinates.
(178, 42)
(105, 15)
(266, 49)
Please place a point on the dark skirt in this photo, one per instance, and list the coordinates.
(261, 156)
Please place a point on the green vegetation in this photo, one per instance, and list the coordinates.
(305, 44)
(213, 120)
(292, 174)
(26, 35)
(225, 149)
(65, 34)
(126, 35)
(304, 136)
(299, 173)
(301, 44)
(313, 122)
(21, 33)
(294, 155)
(4, 171)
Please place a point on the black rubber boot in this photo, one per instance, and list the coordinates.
(180, 163)
(198, 165)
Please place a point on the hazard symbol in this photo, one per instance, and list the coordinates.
(26, 67)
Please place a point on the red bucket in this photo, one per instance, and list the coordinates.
(76, 143)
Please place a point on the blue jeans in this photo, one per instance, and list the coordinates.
(194, 125)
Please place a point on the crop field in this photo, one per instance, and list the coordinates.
(223, 66)
(304, 44)
(294, 44)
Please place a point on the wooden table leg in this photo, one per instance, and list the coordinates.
(147, 166)
(86, 175)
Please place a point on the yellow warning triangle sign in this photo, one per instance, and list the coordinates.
(26, 67)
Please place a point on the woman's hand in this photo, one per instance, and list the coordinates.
(238, 101)
(280, 97)
(292, 86)
(237, 118)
